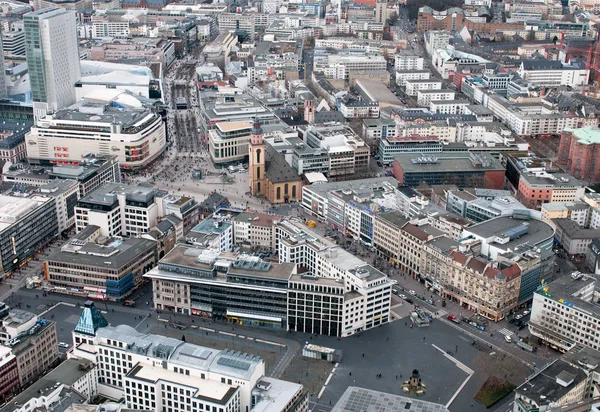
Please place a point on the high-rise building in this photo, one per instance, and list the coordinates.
(52, 59)
(2, 80)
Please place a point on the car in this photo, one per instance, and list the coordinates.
(525, 313)
(519, 317)
(507, 338)
(430, 301)
(63, 345)
(522, 326)
(409, 300)
(379, 164)
(511, 321)
(402, 296)
(412, 292)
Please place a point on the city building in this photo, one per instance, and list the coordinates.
(136, 49)
(9, 374)
(579, 212)
(270, 175)
(136, 135)
(221, 285)
(408, 61)
(557, 384)
(26, 225)
(154, 367)
(33, 342)
(478, 209)
(94, 266)
(52, 58)
(552, 73)
(363, 293)
(487, 287)
(72, 384)
(12, 140)
(214, 232)
(402, 76)
(91, 172)
(255, 230)
(565, 313)
(425, 97)
(65, 194)
(356, 399)
(462, 169)
(579, 152)
(574, 239)
(3, 90)
(121, 209)
(413, 86)
(504, 234)
(454, 18)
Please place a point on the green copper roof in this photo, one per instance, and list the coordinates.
(90, 320)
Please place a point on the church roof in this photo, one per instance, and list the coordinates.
(277, 168)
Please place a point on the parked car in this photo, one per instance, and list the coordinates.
(412, 292)
(453, 319)
(409, 300)
(402, 296)
(519, 316)
(526, 313)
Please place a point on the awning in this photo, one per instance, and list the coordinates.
(253, 316)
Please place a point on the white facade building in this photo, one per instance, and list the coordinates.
(99, 124)
(408, 61)
(564, 313)
(448, 107)
(551, 73)
(413, 86)
(403, 75)
(425, 97)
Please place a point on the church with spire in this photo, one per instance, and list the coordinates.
(270, 175)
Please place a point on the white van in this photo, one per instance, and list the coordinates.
(508, 338)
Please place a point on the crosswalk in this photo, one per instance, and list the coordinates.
(506, 332)
(440, 314)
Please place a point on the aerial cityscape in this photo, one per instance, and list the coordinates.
(300, 205)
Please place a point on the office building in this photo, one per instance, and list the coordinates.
(468, 204)
(94, 266)
(366, 290)
(70, 384)
(565, 313)
(107, 122)
(65, 194)
(221, 285)
(52, 53)
(574, 239)
(552, 73)
(157, 371)
(537, 188)
(413, 86)
(579, 152)
(26, 224)
(509, 234)
(461, 169)
(558, 384)
(214, 232)
(9, 374)
(91, 172)
(579, 212)
(33, 342)
(255, 230)
(121, 209)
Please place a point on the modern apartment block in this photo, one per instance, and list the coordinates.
(159, 373)
(94, 266)
(52, 58)
(33, 342)
(565, 313)
(26, 224)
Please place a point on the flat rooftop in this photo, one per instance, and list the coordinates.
(447, 162)
(356, 399)
(205, 389)
(538, 231)
(14, 208)
(574, 231)
(554, 180)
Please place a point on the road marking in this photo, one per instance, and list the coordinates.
(327, 381)
(505, 332)
(226, 333)
(462, 367)
(269, 342)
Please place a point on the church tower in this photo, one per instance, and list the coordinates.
(309, 111)
(257, 161)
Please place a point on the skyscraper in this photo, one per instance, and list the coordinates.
(2, 79)
(52, 59)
